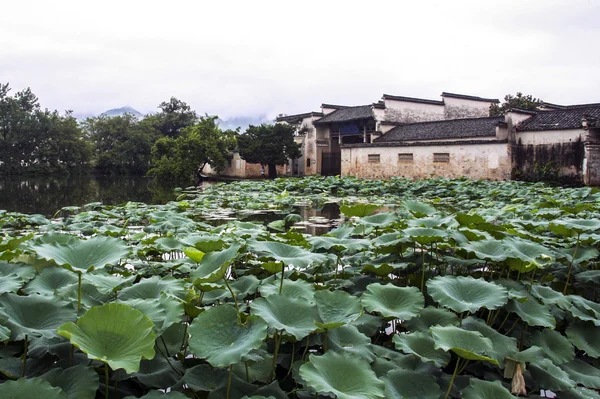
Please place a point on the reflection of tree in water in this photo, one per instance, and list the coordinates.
(46, 195)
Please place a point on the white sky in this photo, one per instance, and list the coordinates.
(253, 57)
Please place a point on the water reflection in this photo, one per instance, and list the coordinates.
(46, 195)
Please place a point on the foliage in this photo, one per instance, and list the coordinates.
(38, 141)
(459, 288)
(269, 145)
(521, 101)
(198, 145)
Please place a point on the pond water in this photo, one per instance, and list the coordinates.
(45, 195)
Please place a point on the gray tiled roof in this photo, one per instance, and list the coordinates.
(569, 118)
(422, 143)
(347, 114)
(467, 97)
(444, 129)
(412, 99)
(297, 117)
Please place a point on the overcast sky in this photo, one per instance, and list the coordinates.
(251, 58)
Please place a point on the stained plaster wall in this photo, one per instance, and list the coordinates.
(478, 161)
(241, 169)
(458, 108)
(409, 112)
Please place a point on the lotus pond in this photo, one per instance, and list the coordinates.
(428, 289)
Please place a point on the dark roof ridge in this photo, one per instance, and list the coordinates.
(295, 116)
(413, 99)
(324, 105)
(469, 97)
(525, 111)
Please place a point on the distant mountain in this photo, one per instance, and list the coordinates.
(122, 111)
(243, 122)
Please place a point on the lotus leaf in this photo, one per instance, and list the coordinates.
(401, 384)
(479, 389)
(549, 376)
(424, 235)
(151, 288)
(422, 346)
(295, 317)
(471, 345)
(419, 209)
(466, 294)
(432, 316)
(349, 341)
(84, 255)
(49, 280)
(359, 210)
(291, 288)
(503, 346)
(583, 373)
(34, 315)
(492, 250)
(336, 308)
(78, 382)
(580, 393)
(390, 301)
(115, 334)
(554, 345)
(213, 266)
(217, 336)
(30, 388)
(288, 254)
(347, 378)
(585, 337)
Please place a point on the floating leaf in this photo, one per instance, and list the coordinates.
(421, 345)
(347, 378)
(115, 334)
(288, 254)
(471, 345)
(466, 293)
(336, 308)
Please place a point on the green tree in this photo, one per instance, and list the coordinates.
(178, 159)
(120, 146)
(270, 145)
(520, 101)
(174, 116)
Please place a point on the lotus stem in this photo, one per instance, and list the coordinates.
(229, 381)
(325, 342)
(282, 276)
(571, 266)
(462, 368)
(78, 293)
(167, 359)
(25, 350)
(105, 381)
(247, 372)
(306, 348)
(237, 308)
(452, 380)
(277, 338)
(423, 270)
(504, 321)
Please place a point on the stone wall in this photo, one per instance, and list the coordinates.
(478, 160)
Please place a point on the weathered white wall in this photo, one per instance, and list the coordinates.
(242, 169)
(478, 161)
(326, 110)
(408, 112)
(549, 136)
(456, 108)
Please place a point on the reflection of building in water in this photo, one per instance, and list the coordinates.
(319, 221)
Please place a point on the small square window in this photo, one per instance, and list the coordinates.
(441, 157)
(405, 157)
(374, 158)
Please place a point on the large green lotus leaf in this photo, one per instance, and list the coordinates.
(107, 283)
(390, 301)
(349, 341)
(369, 324)
(24, 271)
(432, 316)
(572, 227)
(578, 255)
(163, 311)
(529, 309)
(479, 389)
(194, 254)
(359, 209)
(580, 393)
(84, 255)
(424, 235)
(503, 346)
(379, 220)
(151, 288)
(433, 222)
(588, 276)
(169, 244)
(159, 372)
(49, 280)
(34, 315)
(336, 308)
(161, 395)
(400, 384)
(419, 209)
(527, 255)
(78, 382)
(4, 331)
(213, 266)
(548, 376)
(258, 369)
(245, 286)
(346, 245)
(30, 388)
(466, 294)
(115, 334)
(471, 345)
(585, 306)
(585, 337)
(583, 373)
(294, 316)
(288, 254)
(299, 289)
(555, 346)
(10, 284)
(347, 378)
(548, 296)
(204, 377)
(422, 346)
(217, 336)
(492, 250)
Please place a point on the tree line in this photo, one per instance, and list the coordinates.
(173, 144)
